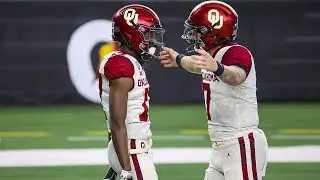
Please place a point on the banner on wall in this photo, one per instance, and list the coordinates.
(93, 35)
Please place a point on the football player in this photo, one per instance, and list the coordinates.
(229, 85)
(124, 91)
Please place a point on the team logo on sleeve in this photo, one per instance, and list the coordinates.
(215, 19)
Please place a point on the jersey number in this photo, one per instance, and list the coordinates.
(206, 89)
(145, 113)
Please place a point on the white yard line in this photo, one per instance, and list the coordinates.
(154, 137)
(98, 156)
(196, 137)
(179, 137)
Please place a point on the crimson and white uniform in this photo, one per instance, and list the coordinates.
(119, 64)
(239, 147)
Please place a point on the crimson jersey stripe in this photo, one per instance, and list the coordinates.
(243, 158)
(206, 88)
(100, 85)
(144, 115)
(253, 156)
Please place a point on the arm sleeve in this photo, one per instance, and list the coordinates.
(118, 66)
(238, 56)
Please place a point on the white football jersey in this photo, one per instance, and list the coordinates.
(137, 120)
(231, 110)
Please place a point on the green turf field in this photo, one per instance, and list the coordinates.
(166, 172)
(173, 126)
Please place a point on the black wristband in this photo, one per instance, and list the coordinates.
(220, 69)
(179, 58)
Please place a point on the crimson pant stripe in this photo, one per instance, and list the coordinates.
(133, 144)
(135, 160)
(253, 156)
(243, 158)
(137, 166)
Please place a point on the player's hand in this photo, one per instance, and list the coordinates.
(126, 175)
(204, 60)
(168, 57)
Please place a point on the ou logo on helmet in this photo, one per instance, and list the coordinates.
(214, 17)
(131, 15)
(81, 44)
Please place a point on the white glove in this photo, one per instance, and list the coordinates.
(125, 175)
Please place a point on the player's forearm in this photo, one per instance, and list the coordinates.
(187, 64)
(118, 110)
(233, 75)
(120, 142)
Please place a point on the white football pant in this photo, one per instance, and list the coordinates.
(244, 158)
(142, 166)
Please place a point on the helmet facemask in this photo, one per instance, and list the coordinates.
(193, 34)
(152, 43)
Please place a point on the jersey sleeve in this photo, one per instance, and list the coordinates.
(238, 56)
(118, 66)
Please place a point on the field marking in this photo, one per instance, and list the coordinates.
(194, 131)
(299, 131)
(96, 133)
(99, 156)
(295, 137)
(281, 131)
(154, 137)
(178, 137)
(87, 138)
(22, 134)
(183, 132)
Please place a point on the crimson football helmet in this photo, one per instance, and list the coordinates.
(210, 24)
(139, 28)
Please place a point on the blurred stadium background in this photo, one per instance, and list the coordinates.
(52, 127)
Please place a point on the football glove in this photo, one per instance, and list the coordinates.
(126, 175)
